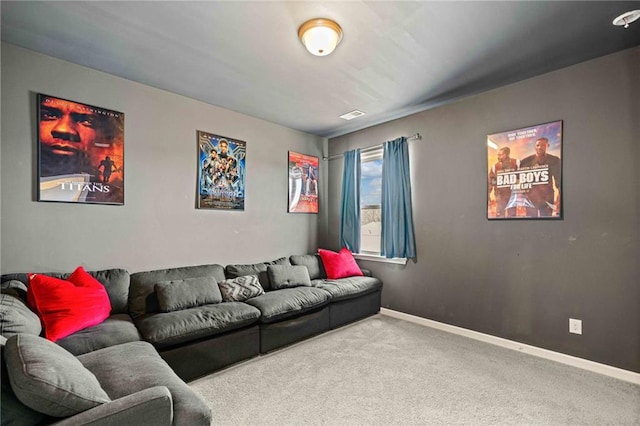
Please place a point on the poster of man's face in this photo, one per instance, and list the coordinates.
(80, 152)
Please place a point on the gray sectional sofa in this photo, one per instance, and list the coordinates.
(170, 326)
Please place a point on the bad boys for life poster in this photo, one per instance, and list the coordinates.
(80, 152)
(221, 172)
(303, 183)
(525, 173)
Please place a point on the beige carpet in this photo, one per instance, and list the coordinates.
(385, 371)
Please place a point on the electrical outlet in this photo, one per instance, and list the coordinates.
(575, 326)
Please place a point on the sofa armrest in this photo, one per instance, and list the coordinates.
(153, 406)
(366, 272)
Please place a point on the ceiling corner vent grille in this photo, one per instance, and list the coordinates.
(351, 115)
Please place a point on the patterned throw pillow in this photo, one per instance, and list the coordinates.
(241, 288)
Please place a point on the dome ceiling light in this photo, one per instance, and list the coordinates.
(627, 18)
(320, 35)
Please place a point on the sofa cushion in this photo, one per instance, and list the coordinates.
(170, 328)
(288, 302)
(133, 367)
(14, 288)
(259, 269)
(340, 264)
(16, 317)
(348, 288)
(115, 281)
(284, 276)
(317, 282)
(114, 330)
(49, 379)
(142, 296)
(313, 262)
(280, 261)
(66, 306)
(187, 293)
(241, 288)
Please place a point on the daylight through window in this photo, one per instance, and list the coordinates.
(370, 201)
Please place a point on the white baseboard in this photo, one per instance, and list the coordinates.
(618, 373)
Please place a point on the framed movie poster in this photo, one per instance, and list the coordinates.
(303, 183)
(80, 152)
(525, 173)
(221, 172)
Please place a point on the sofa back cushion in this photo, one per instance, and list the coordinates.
(115, 281)
(176, 295)
(259, 269)
(16, 317)
(142, 295)
(312, 262)
(14, 288)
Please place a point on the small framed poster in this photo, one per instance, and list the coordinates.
(80, 152)
(221, 172)
(525, 173)
(303, 183)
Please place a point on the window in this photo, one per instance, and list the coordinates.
(370, 201)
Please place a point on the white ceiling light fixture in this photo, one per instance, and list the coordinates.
(320, 35)
(627, 18)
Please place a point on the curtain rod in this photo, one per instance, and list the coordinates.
(413, 137)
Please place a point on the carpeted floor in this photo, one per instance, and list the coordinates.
(385, 371)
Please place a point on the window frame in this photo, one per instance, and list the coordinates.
(369, 155)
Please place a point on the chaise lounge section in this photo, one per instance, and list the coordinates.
(45, 382)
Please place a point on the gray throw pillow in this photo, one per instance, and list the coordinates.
(188, 293)
(16, 317)
(48, 379)
(14, 412)
(241, 288)
(312, 262)
(283, 276)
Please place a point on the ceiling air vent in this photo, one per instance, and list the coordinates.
(351, 115)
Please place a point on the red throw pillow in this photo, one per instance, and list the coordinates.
(67, 306)
(339, 265)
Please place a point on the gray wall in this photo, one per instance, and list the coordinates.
(523, 280)
(159, 225)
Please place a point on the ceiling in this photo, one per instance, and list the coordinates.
(396, 57)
